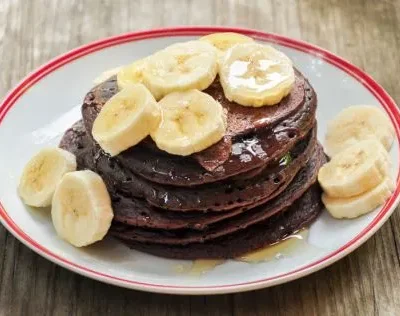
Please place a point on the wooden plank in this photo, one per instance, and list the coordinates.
(367, 33)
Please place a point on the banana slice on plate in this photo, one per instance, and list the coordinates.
(355, 170)
(42, 173)
(252, 74)
(192, 121)
(126, 119)
(81, 208)
(132, 73)
(181, 67)
(357, 123)
(355, 206)
(106, 75)
(226, 40)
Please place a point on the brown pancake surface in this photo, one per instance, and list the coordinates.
(303, 180)
(156, 165)
(220, 196)
(299, 215)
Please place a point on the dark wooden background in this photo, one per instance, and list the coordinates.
(366, 32)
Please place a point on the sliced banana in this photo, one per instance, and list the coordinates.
(81, 209)
(181, 67)
(252, 74)
(355, 170)
(132, 73)
(361, 204)
(357, 123)
(226, 40)
(126, 119)
(192, 121)
(106, 75)
(42, 173)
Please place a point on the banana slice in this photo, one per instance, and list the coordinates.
(126, 119)
(226, 40)
(357, 123)
(192, 121)
(252, 74)
(355, 170)
(42, 173)
(181, 67)
(361, 204)
(106, 75)
(132, 73)
(81, 209)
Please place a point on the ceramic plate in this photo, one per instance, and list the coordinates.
(37, 112)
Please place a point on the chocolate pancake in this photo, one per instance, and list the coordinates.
(224, 195)
(241, 120)
(248, 152)
(299, 215)
(130, 210)
(303, 180)
(244, 120)
(238, 154)
(137, 212)
(75, 140)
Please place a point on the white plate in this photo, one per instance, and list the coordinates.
(47, 102)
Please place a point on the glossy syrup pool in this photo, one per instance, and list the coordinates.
(198, 267)
(284, 248)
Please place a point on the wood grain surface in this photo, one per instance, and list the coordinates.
(366, 32)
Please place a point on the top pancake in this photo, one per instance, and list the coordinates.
(241, 119)
(249, 132)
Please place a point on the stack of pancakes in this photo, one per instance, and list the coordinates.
(251, 189)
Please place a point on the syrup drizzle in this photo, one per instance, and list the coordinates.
(278, 250)
(275, 251)
(198, 267)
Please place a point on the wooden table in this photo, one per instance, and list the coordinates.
(366, 32)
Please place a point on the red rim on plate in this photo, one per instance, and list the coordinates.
(379, 93)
